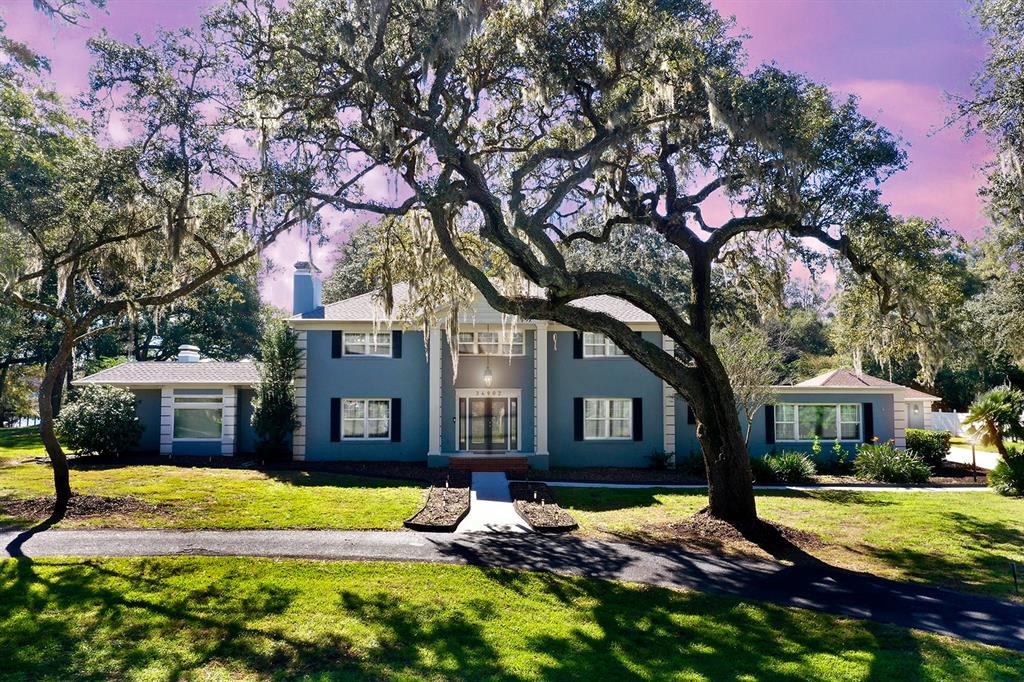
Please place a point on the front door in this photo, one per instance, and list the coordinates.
(489, 424)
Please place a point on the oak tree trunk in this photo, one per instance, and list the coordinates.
(53, 383)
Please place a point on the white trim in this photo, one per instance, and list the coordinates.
(899, 420)
(497, 393)
(668, 413)
(540, 387)
(228, 420)
(366, 419)
(299, 383)
(608, 419)
(166, 420)
(839, 423)
(434, 397)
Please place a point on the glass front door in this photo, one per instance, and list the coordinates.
(488, 424)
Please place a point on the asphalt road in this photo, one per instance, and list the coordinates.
(809, 584)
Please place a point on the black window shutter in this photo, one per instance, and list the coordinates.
(869, 422)
(769, 424)
(577, 345)
(577, 418)
(691, 416)
(335, 344)
(396, 420)
(638, 419)
(396, 343)
(335, 420)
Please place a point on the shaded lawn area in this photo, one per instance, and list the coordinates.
(961, 540)
(226, 618)
(16, 444)
(202, 497)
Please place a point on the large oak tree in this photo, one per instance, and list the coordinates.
(536, 125)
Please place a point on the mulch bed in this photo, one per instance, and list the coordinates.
(444, 509)
(948, 473)
(537, 506)
(80, 507)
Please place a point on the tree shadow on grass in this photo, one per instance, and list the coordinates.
(84, 619)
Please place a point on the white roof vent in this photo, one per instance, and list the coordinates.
(188, 353)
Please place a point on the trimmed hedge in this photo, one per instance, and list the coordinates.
(931, 446)
(100, 420)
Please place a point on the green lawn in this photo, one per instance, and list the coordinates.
(227, 498)
(963, 540)
(241, 619)
(960, 442)
(16, 444)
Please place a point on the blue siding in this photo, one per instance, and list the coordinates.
(686, 434)
(510, 373)
(614, 377)
(245, 435)
(366, 377)
(198, 448)
(148, 411)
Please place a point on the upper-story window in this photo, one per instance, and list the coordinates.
(491, 343)
(794, 422)
(367, 343)
(596, 345)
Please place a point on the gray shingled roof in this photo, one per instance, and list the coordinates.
(364, 308)
(161, 373)
(845, 378)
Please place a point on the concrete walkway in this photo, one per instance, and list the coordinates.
(865, 488)
(809, 585)
(490, 507)
(984, 460)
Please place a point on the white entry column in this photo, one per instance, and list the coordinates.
(540, 387)
(434, 375)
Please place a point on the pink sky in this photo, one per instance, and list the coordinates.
(898, 57)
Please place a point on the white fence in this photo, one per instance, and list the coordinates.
(949, 421)
(24, 421)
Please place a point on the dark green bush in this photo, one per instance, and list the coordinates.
(661, 460)
(930, 446)
(884, 463)
(691, 464)
(782, 467)
(100, 420)
(1008, 476)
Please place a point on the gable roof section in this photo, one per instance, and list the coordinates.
(364, 308)
(173, 373)
(845, 378)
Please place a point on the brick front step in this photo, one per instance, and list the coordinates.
(510, 465)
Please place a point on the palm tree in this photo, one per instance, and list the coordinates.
(995, 415)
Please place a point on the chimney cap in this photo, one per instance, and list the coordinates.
(188, 353)
(305, 266)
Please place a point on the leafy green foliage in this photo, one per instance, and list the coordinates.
(100, 420)
(353, 272)
(661, 460)
(274, 411)
(995, 415)
(1008, 476)
(783, 467)
(884, 463)
(930, 446)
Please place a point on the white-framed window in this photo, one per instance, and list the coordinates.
(802, 422)
(365, 418)
(198, 416)
(597, 345)
(607, 418)
(366, 343)
(492, 343)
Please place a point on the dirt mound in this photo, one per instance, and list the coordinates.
(80, 507)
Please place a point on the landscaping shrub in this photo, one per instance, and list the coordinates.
(930, 446)
(274, 408)
(660, 460)
(1008, 476)
(790, 467)
(884, 463)
(691, 464)
(100, 420)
